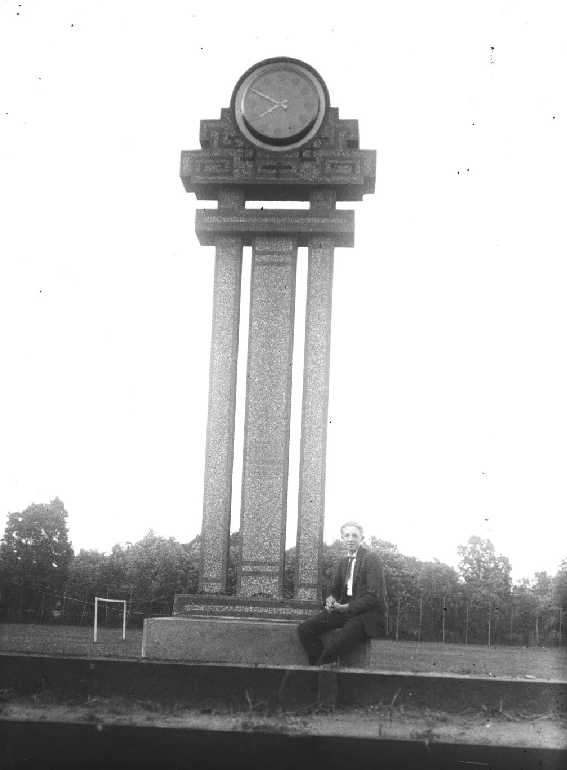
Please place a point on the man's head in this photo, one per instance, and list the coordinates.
(352, 535)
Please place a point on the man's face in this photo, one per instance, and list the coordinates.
(352, 538)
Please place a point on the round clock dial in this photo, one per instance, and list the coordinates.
(280, 104)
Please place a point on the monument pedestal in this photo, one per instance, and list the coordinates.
(227, 629)
(251, 641)
(223, 640)
(219, 628)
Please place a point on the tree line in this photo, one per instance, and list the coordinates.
(41, 580)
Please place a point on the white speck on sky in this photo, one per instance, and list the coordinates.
(448, 408)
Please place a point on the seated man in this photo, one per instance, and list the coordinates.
(355, 604)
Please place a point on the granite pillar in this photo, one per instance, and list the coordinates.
(267, 417)
(219, 451)
(314, 415)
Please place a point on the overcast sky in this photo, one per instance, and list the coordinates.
(448, 404)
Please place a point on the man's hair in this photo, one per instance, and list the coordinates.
(352, 524)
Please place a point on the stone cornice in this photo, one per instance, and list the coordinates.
(331, 160)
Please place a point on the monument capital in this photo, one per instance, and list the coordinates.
(279, 140)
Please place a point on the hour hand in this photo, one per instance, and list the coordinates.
(282, 104)
(265, 96)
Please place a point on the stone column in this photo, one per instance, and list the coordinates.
(314, 416)
(266, 431)
(219, 454)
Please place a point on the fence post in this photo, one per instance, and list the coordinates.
(421, 618)
(443, 618)
(398, 621)
(467, 624)
(489, 622)
(511, 636)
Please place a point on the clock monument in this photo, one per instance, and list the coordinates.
(280, 140)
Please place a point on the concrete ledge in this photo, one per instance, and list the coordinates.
(283, 687)
(54, 744)
(101, 744)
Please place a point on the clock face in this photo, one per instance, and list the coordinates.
(280, 104)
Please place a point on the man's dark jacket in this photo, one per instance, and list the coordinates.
(368, 590)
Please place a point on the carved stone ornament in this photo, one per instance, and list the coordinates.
(277, 143)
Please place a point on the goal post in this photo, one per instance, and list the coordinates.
(114, 601)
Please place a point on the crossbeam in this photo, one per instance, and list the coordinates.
(304, 225)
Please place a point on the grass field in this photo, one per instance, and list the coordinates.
(517, 662)
(70, 640)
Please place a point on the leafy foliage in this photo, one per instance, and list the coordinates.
(559, 587)
(486, 575)
(425, 600)
(35, 553)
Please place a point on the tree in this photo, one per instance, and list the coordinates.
(93, 573)
(36, 555)
(439, 600)
(544, 619)
(487, 582)
(86, 580)
(156, 569)
(525, 607)
(559, 594)
(560, 586)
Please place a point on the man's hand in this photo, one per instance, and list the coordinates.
(332, 605)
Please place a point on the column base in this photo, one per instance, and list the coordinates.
(222, 605)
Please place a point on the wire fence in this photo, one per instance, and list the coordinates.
(444, 618)
(48, 606)
(452, 619)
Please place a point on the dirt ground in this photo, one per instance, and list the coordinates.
(415, 657)
(378, 722)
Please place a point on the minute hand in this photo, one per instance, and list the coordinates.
(265, 96)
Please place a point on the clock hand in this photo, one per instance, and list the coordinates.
(265, 96)
(282, 104)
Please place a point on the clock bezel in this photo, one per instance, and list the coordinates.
(260, 140)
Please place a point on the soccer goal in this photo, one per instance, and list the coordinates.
(112, 601)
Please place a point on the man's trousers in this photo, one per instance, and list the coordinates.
(310, 631)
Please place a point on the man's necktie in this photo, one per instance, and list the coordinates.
(348, 575)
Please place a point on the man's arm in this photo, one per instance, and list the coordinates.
(332, 603)
(337, 587)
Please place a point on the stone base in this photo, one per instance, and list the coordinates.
(222, 605)
(223, 640)
(233, 640)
